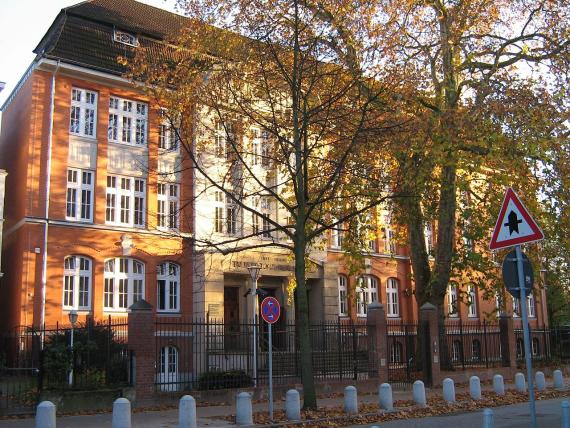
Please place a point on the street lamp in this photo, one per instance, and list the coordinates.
(72, 319)
(254, 273)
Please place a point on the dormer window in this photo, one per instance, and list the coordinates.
(126, 38)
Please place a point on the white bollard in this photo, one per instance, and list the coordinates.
(293, 405)
(520, 384)
(558, 379)
(386, 400)
(540, 381)
(448, 390)
(45, 415)
(244, 412)
(419, 393)
(475, 388)
(350, 400)
(566, 414)
(498, 384)
(488, 420)
(121, 413)
(187, 412)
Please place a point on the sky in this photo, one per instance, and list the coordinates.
(22, 25)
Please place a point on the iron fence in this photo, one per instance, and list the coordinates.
(211, 354)
(34, 359)
(402, 342)
(470, 344)
(540, 344)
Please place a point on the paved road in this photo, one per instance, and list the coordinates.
(549, 415)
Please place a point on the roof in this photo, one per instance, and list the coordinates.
(83, 34)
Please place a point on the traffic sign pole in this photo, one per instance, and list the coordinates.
(527, 352)
(270, 372)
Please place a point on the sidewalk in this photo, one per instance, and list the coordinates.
(212, 416)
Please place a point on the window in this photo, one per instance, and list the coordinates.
(428, 234)
(535, 344)
(396, 351)
(499, 302)
(265, 149)
(372, 246)
(224, 140)
(124, 283)
(77, 283)
(125, 38)
(392, 298)
(168, 284)
(232, 212)
(336, 236)
(471, 302)
(125, 201)
(83, 113)
(127, 121)
(389, 243)
(342, 296)
(255, 147)
(218, 211)
(167, 135)
(452, 301)
(79, 197)
(168, 201)
(456, 351)
(266, 210)
(520, 348)
(531, 307)
(366, 292)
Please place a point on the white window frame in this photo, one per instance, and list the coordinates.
(366, 292)
(218, 211)
(266, 208)
(392, 298)
(342, 296)
(79, 195)
(232, 213)
(128, 122)
(116, 196)
(83, 113)
(168, 140)
(396, 351)
(452, 301)
(115, 279)
(336, 236)
(125, 38)
(168, 276)
(389, 243)
(168, 206)
(531, 306)
(472, 301)
(266, 158)
(75, 275)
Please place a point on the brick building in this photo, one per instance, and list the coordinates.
(95, 218)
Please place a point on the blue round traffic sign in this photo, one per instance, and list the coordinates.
(270, 310)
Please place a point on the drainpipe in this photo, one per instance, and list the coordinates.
(48, 188)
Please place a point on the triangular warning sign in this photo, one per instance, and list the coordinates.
(515, 225)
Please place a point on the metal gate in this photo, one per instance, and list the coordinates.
(402, 344)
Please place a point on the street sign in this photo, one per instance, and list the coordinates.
(514, 226)
(270, 310)
(511, 277)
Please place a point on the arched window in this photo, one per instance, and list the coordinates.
(392, 298)
(124, 283)
(452, 301)
(396, 352)
(531, 306)
(168, 287)
(77, 283)
(342, 296)
(456, 351)
(476, 350)
(366, 293)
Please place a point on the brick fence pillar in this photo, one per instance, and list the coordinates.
(508, 342)
(377, 330)
(142, 345)
(431, 358)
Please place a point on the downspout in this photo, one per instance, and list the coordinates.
(47, 193)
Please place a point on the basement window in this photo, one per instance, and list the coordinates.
(125, 38)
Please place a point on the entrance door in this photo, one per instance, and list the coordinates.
(231, 318)
(168, 374)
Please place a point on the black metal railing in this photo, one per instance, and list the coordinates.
(34, 359)
(540, 344)
(211, 354)
(402, 344)
(470, 344)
